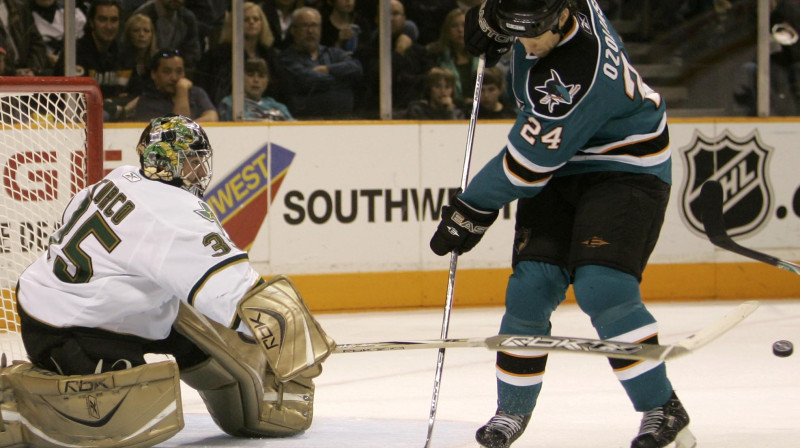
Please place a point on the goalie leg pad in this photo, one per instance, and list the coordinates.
(237, 384)
(284, 327)
(137, 407)
(284, 410)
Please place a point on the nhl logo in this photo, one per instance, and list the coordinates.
(740, 165)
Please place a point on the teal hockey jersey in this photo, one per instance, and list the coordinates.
(582, 108)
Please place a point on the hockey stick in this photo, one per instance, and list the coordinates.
(451, 279)
(714, 224)
(622, 350)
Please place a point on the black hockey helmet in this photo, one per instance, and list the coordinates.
(530, 18)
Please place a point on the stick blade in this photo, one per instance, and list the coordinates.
(712, 215)
(713, 331)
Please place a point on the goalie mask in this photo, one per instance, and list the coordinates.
(174, 149)
(530, 18)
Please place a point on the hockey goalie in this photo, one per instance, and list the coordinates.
(141, 265)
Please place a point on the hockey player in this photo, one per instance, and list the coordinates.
(588, 160)
(141, 265)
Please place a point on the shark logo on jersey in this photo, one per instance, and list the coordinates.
(556, 91)
(740, 165)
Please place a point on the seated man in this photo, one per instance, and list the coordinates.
(142, 265)
(324, 78)
(97, 56)
(172, 92)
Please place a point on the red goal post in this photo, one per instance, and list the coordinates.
(51, 146)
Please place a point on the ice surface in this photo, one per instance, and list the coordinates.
(737, 393)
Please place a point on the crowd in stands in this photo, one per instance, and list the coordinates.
(304, 59)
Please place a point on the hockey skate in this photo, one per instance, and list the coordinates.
(502, 430)
(666, 426)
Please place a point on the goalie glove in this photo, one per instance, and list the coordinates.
(481, 35)
(461, 228)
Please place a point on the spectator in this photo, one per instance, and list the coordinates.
(341, 25)
(279, 16)
(210, 16)
(97, 56)
(176, 27)
(449, 52)
(324, 77)
(172, 92)
(48, 17)
(409, 64)
(492, 104)
(438, 103)
(258, 39)
(27, 53)
(429, 16)
(256, 105)
(138, 47)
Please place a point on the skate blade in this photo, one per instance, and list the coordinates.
(684, 439)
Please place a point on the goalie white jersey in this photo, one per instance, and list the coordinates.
(129, 249)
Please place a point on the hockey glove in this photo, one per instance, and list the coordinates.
(481, 35)
(461, 228)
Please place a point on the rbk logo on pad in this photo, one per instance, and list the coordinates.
(740, 165)
(268, 326)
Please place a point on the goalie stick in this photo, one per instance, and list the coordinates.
(622, 350)
(714, 224)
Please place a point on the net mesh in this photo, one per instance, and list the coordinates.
(43, 153)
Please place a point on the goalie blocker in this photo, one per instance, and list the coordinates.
(262, 386)
(253, 387)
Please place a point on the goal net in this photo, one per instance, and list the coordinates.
(50, 148)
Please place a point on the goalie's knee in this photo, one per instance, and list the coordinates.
(137, 407)
(242, 405)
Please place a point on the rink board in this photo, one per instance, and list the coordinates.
(347, 208)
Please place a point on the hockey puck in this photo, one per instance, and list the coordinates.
(782, 348)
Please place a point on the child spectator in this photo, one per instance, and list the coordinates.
(438, 103)
(492, 104)
(256, 106)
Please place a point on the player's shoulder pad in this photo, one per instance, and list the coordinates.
(559, 81)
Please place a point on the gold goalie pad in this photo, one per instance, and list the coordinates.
(137, 407)
(240, 383)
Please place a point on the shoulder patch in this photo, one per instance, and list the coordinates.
(554, 91)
